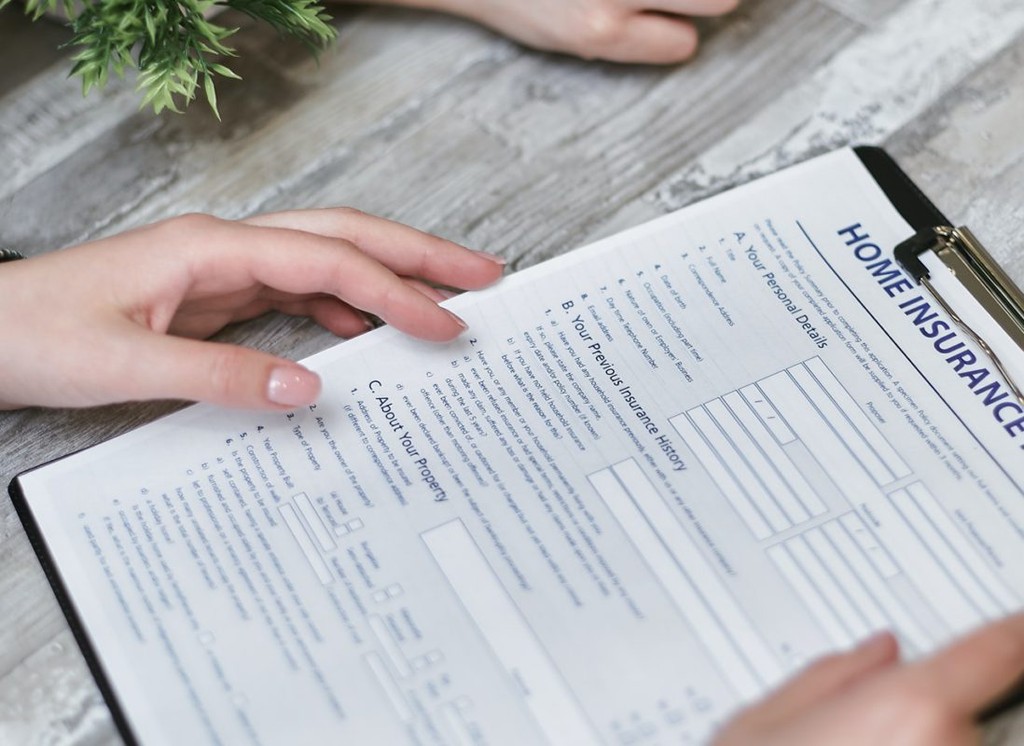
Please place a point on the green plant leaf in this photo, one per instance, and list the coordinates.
(170, 42)
(211, 94)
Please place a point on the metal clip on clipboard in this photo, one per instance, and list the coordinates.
(975, 269)
(962, 253)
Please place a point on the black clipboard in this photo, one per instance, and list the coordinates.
(965, 256)
(60, 591)
(959, 250)
(932, 232)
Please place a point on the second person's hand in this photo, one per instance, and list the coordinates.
(868, 697)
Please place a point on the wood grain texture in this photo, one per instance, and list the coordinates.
(444, 125)
(867, 91)
(976, 135)
(866, 12)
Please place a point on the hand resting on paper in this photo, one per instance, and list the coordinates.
(644, 31)
(120, 318)
(867, 696)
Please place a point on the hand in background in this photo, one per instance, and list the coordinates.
(867, 697)
(648, 31)
(119, 319)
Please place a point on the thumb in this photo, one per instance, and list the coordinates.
(825, 677)
(168, 367)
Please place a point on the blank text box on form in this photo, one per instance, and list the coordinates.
(387, 683)
(936, 586)
(874, 581)
(456, 722)
(314, 521)
(873, 549)
(835, 418)
(786, 564)
(389, 645)
(950, 550)
(825, 585)
(817, 435)
(945, 527)
(709, 608)
(831, 548)
(717, 469)
(781, 476)
(712, 420)
(503, 627)
(835, 389)
(771, 488)
(830, 556)
(291, 520)
(768, 442)
(770, 417)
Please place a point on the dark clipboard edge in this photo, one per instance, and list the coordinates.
(908, 199)
(905, 195)
(67, 606)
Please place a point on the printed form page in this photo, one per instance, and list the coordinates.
(657, 476)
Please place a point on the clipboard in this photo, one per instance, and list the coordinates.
(976, 271)
(960, 251)
(957, 248)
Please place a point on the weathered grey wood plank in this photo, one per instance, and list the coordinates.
(68, 705)
(44, 118)
(967, 150)
(870, 89)
(866, 12)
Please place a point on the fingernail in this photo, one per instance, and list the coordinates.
(456, 319)
(496, 259)
(293, 386)
(446, 293)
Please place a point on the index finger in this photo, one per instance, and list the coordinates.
(229, 258)
(977, 670)
(404, 250)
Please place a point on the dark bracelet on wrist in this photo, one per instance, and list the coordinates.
(9, 255)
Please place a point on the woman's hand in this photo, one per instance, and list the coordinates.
(650, 31)
(868, 697)
(118, 319)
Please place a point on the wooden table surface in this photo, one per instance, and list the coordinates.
(441, 124)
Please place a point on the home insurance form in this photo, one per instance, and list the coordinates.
(657, 476)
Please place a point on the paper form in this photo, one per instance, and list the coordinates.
(657, 476)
